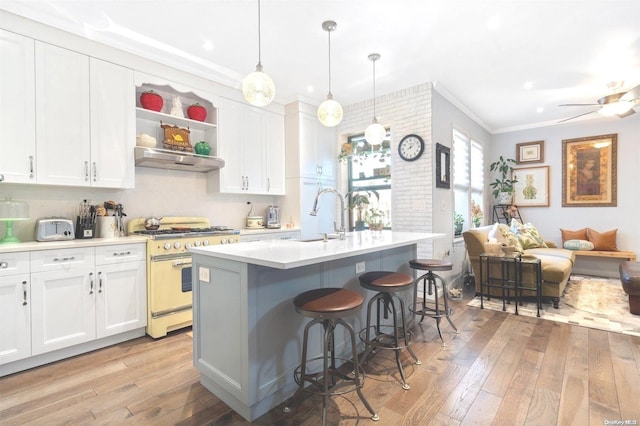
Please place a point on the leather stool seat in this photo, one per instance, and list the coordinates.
(328, 307)
(327, 302)
(431, 264)
(630, 278)
(387, 334)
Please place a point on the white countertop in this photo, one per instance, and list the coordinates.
(260, 231)
(286, 254)
(89, 242)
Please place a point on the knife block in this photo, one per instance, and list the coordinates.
(85, 230)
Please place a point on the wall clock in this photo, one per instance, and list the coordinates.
(411, 147)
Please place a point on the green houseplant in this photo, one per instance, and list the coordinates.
(503, 185)
(458, 221)
(358, 200)
(374, 218)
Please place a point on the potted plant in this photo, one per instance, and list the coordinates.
(458, 221)
(375, 219)
(360, 199)
(503, 185)
(476, 214)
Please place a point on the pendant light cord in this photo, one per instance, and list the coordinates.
(374, 91)
(259, 39)
(329, 34)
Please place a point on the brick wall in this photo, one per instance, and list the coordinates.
(404, 112)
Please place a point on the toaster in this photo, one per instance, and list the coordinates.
(54, 229)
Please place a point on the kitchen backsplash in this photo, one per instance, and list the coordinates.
(157, 193)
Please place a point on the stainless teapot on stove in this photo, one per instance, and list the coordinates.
(152, 223)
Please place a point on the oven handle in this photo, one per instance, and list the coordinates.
(173, 256)
(170, 311)
(182, 262)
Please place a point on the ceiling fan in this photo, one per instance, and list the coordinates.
(620, 103)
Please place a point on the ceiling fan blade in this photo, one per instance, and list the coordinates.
(578, 104)
(576, 116)
(626, 114)
(632, 95)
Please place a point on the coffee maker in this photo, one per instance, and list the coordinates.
(273, 217)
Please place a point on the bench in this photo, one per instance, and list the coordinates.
(627, 255)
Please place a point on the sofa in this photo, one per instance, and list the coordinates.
(556, 263)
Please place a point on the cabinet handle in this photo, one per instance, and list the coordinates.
(4, 265)
(123, 253)
(64, 259)
(31, 167)
(86, 170)
(24, 293)
(268, 184)
(91, 281)
(1, 177)
(99, 282)
(95, 172)
(247, 179)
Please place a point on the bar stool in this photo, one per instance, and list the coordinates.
(429, 279)
(328, 306)
(387, 284)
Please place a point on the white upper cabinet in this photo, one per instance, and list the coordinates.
(113, 128)
(79, 99)
(17, 109)
(311, 147)
(251, 142)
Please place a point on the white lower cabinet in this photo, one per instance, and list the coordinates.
(15, 307)
(80, 295)
(121, 299)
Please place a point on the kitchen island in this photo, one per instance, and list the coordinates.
(247, 334)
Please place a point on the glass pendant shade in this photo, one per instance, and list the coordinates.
(330, 113)
(375, 133)
(258, 88)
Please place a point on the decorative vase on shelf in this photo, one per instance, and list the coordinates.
(504, 198)
(197, 112)
(202, 148)
(176, 107)
(151, 100)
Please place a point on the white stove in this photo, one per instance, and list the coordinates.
(169, 277)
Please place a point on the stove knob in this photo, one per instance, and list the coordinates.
(177, 244)
(167, 246)
(231, 240)
(197, 243)
(187, 246)
(223, 241)
(205, 242)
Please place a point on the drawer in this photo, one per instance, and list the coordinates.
(53, 260)
(14, 263)
(121, 253)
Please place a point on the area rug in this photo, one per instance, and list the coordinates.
(592, 302)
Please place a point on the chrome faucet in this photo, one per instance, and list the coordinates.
(342, 231)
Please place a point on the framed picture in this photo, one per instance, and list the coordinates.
(443, 166)
(530, 152)
(589, 171)
(532, 188)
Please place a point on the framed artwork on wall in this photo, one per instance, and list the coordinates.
(589, 171)
(443, 166)
(532, 186)
(530, 152)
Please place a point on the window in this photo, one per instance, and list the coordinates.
(468, 178)
(369, 184)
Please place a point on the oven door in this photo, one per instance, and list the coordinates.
(169, 284)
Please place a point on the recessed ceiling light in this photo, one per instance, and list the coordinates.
(539, 110)
(207, 45)
(310, 89)
(528, 85)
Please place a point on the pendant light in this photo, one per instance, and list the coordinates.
(375, 133)
(330, 111)
(258, 88)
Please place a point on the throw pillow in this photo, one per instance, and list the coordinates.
(580, 234)
(527, 234)
(605, 241)
(495, 235)
(578, 245)
(508, 237)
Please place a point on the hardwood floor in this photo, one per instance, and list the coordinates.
(501, 369)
